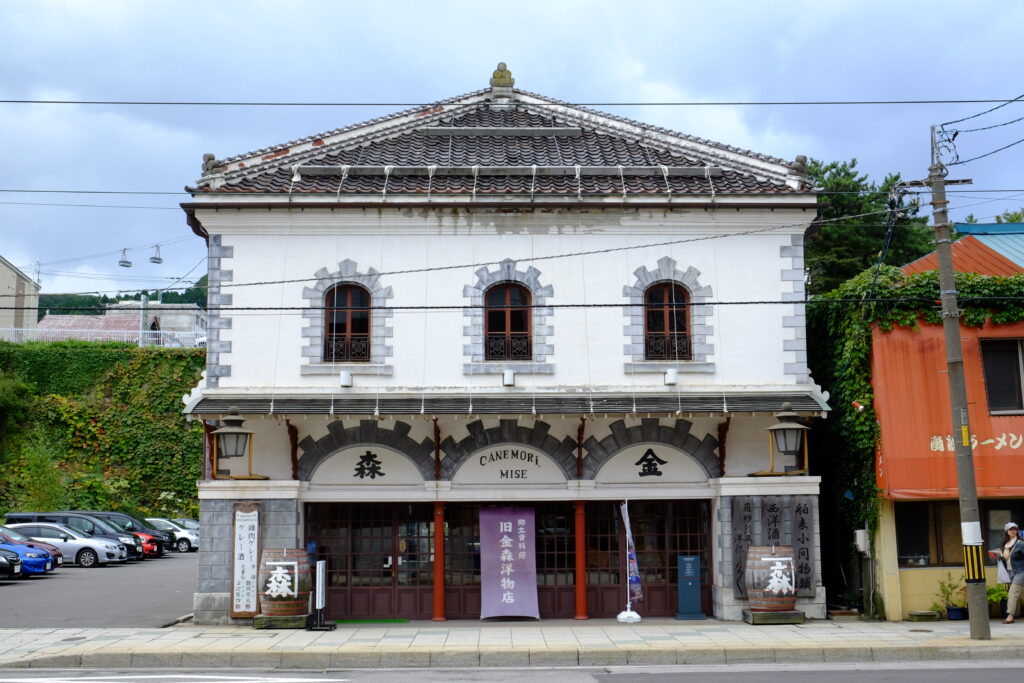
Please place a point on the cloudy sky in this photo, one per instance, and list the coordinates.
(416, 52)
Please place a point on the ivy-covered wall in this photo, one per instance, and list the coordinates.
(99, 426)
(840, 324)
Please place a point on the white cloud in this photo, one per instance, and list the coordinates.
(729, 126)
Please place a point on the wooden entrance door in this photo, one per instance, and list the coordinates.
(556, 559)
(662, 531)
(380, 558)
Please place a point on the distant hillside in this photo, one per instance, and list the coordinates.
(85, 304)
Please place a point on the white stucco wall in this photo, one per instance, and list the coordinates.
(588, 344)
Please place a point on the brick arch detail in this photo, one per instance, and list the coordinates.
(367, 433)
(650, 430)
(541, 323)
(701, 330)
(380, 319)
(508, 431)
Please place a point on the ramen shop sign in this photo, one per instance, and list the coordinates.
(509, 464)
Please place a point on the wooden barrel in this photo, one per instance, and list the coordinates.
(770, 578)
(284, 583)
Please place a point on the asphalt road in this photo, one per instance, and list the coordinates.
(152, 593)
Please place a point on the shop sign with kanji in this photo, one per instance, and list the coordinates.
(508, 568)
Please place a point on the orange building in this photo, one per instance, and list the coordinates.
(919, 529)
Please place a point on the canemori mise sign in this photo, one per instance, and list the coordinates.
(508, 569)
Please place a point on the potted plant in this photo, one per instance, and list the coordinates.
(951, 597)
(997, 595)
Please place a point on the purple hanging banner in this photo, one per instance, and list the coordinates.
(508, 563)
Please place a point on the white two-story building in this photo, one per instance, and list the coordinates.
(502, 299)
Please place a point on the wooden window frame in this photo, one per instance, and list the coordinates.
(348, 352)
(509, 353)
(1020, 375)
(663, 345)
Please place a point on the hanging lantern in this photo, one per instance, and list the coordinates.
(787, 436)
(233, 441)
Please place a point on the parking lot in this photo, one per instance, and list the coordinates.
(151, 593)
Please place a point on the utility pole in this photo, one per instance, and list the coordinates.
(970, 520)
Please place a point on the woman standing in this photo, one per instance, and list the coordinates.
(1013, 560)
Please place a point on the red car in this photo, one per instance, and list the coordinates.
(15, 537)
(150, 544)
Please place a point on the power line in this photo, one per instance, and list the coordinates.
(94, 206)
(284, 194)
(902, 210)
(1002, 104)
(618, 304)
(765, 103)
(986, 154)
(996, 125)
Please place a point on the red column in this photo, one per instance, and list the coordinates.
(438, 562)
(581, 560)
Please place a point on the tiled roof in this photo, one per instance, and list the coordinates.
(461, 404)
(111, 322)
(399, 140)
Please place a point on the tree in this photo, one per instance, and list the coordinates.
(1005, 217)
(840, 249)
(15, 396)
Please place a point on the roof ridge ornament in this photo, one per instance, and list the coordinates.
(502, 94)
(502, 77)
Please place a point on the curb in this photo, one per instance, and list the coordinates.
(353, 658)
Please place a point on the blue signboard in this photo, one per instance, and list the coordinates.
(689, 587)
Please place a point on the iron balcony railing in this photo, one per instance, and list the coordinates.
(667, 347)
(346, 348)
(509, 347)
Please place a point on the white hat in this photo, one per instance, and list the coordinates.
(1010, 525)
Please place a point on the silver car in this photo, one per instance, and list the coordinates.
(83, 550)
(185, 540)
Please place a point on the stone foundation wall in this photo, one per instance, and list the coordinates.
(279, 528)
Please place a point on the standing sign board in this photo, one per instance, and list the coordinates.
(508, 563)
(245, 554)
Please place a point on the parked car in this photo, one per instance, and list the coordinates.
(10, 565)
(185, 540)
(132, 525)
(33, 560)
(15, 537)
(187, 522)
(85, 551)
(87, 525)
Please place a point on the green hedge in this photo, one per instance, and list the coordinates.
(102, 428)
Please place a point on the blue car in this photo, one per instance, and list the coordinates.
(33, 560)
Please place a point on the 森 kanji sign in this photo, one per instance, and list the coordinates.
(508, 564)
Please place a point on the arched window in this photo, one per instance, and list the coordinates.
(507, 323)
(666, 322)
(346, 324)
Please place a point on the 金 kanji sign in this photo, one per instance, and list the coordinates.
(508, 568)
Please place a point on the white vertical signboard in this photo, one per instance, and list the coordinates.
(245, 554)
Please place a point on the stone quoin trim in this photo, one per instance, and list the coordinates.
(795, 349)
(368, 433)
(217, 321)
(508, 432)
(700, 327)
(650, 430)
(381, 331)
(541, 329)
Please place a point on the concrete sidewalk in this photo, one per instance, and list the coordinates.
(598, 642)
